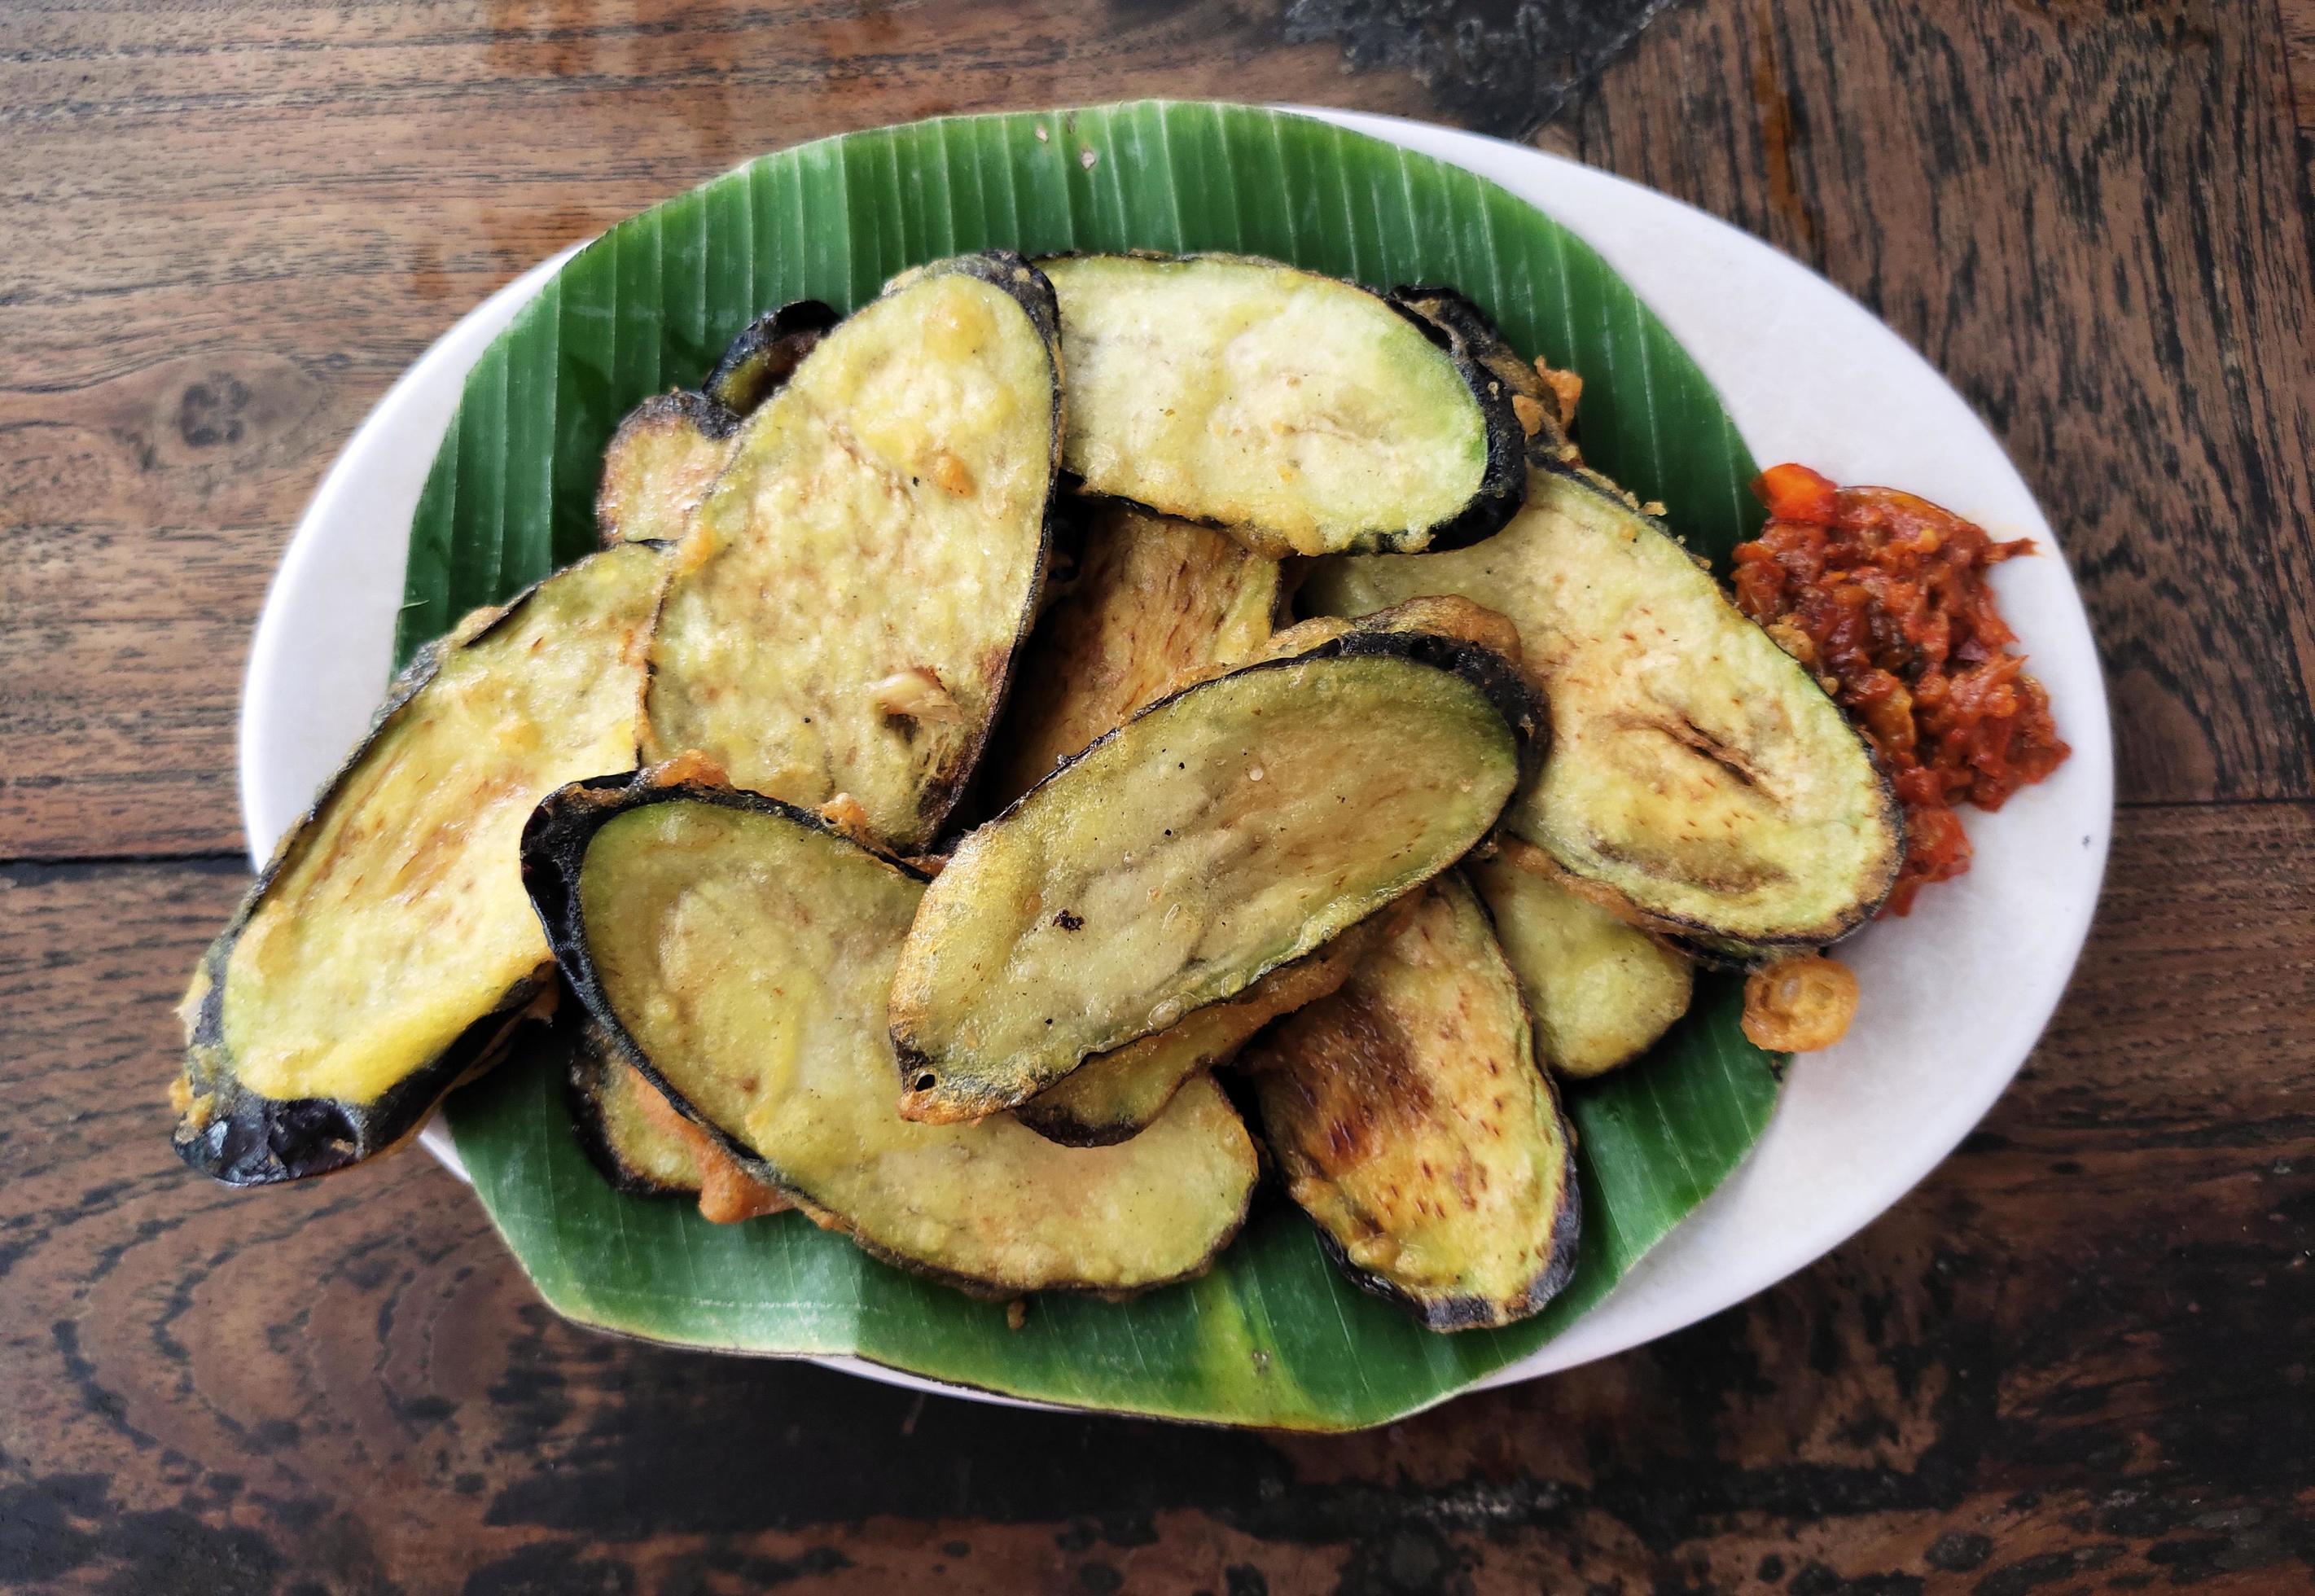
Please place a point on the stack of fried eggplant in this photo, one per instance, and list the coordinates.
(1023, 542)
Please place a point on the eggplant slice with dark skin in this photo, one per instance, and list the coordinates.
(738, 952)
(1229, 829)
(1301, 414)
(1408, 1119)
(644, 1147)
(759, 362)
(1153, 600)
(1698, 774)
(670, 448)
(845, 609)
(1113, 1095)
(660, 465)
(389, 950)
(612, 1112)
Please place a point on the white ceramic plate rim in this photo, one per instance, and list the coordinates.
(1956, 995)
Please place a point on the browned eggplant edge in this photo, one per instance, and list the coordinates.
(586, 1077)
(1450, 1313)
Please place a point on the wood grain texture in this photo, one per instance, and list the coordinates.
(2038, 1372)
(2299, 55)
(2076, 1360)
(2090, 219)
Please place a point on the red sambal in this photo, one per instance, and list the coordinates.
(1885, 596)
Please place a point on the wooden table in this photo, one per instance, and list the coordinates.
(2078, 1359)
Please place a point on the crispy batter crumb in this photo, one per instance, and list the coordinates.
(949, 473)
(847, 814)
(917, 694)
(1565, 386)
(689, 765)
(1799, 1006)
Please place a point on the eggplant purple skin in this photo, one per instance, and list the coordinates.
(1506, 691)
(1468, 336)
(248, 1139)
(555, 842)
(711, 418)
(759, 362)
(1455, 322)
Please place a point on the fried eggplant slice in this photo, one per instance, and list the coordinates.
(388, 948)
(739, 950)
(1229, 828)
(1154, 599)
(1115, 1095)
(1601, 990)
(1697, 771)
(659, 467)
(645, 1149)
(759, 362)
(1301, 413)
(1409, 1121)
(845, 610)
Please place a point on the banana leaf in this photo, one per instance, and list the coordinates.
(1273, 1336)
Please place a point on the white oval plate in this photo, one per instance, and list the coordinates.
(1954, 995)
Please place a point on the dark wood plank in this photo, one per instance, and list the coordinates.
(2090, 219)
(2076, 1359)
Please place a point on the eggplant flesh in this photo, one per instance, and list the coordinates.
(847, 604)
(1301, 413)
(1155, 599)
(738, 952)
(1698, 772)
(1409, 1121)
(660, 465)
(388, 949)
(669, 449)
(1601, 990)
(1229, 828)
